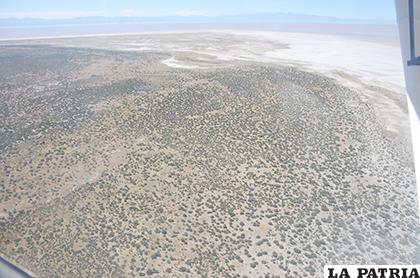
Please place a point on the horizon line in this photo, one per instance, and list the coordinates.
(179, 14)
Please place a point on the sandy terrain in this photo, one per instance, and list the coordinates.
(204, 154)
(365, 63)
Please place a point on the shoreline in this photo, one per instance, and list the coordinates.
(364, 64)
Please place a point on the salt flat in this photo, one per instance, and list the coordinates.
(214, 154)
(365, 63)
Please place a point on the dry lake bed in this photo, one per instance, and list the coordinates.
(206, 154)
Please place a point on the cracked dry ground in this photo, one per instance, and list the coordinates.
(132, 168)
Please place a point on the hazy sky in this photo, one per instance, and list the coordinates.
(360, 9)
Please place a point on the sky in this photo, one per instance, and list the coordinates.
(354, 9)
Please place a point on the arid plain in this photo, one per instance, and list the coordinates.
(202, 155)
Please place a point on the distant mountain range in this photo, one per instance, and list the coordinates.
(241, 18)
